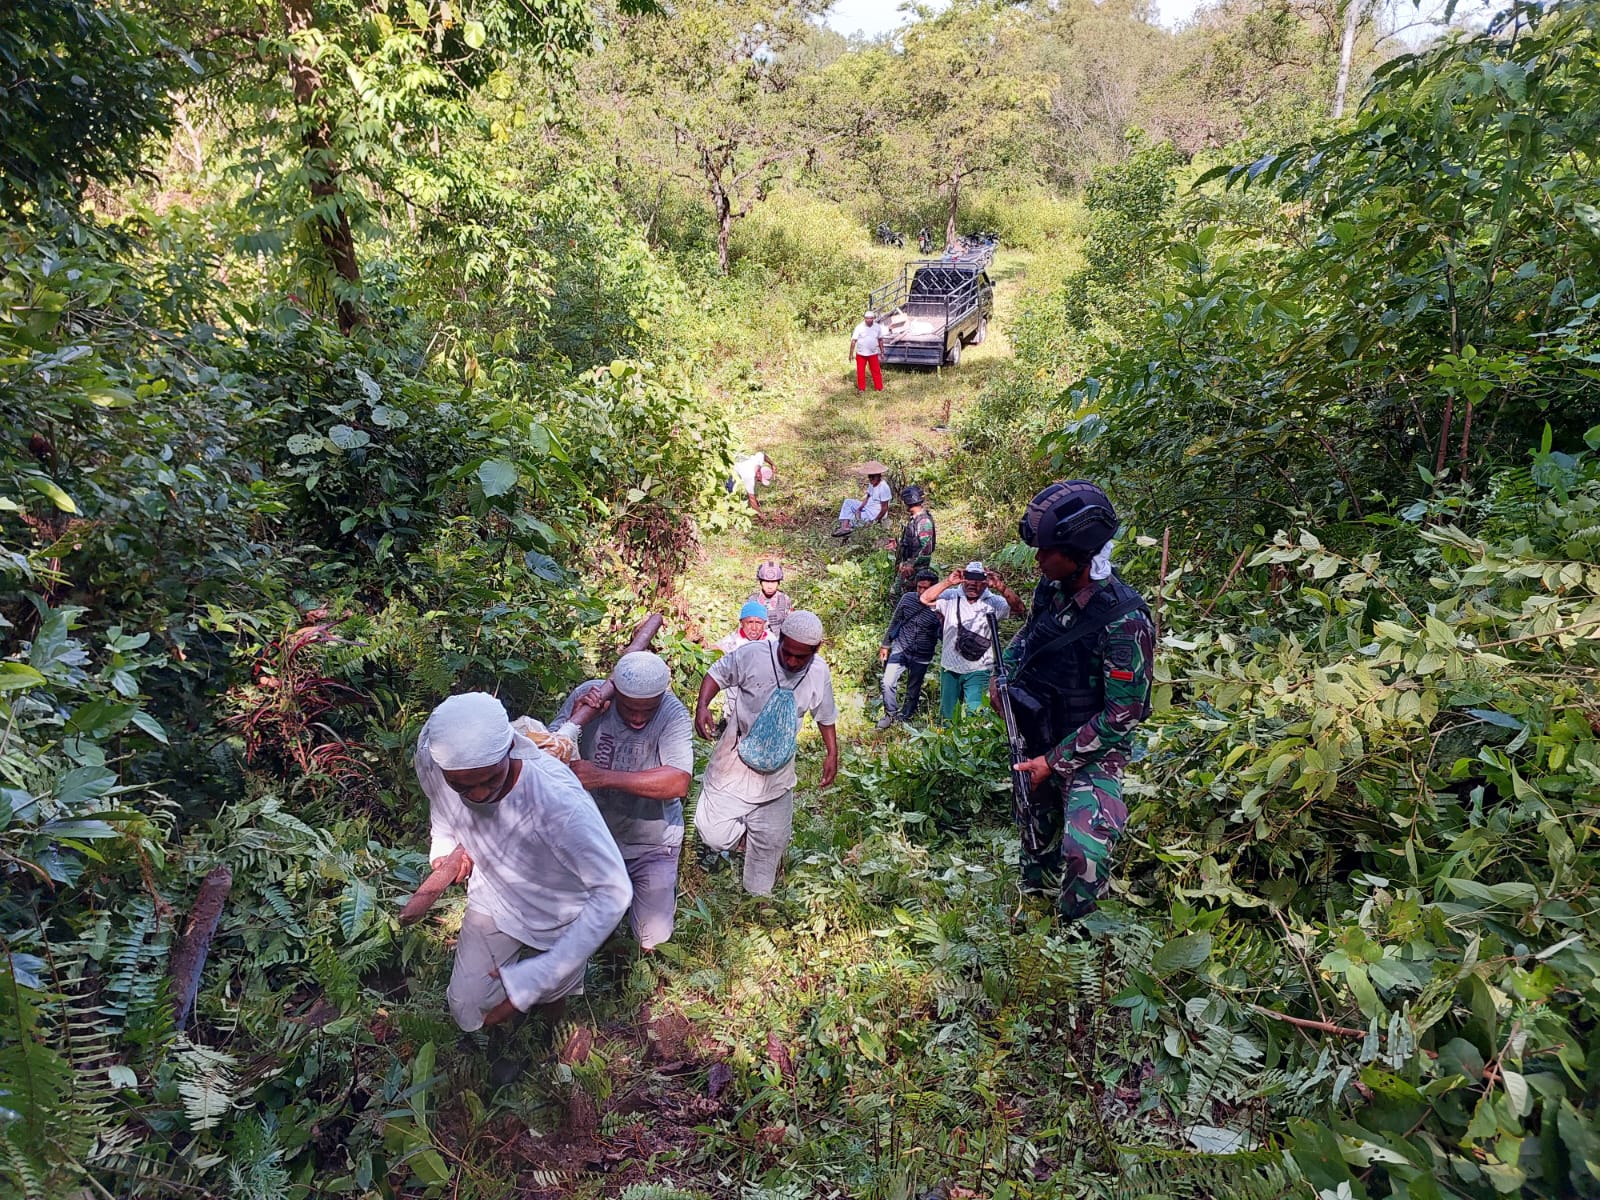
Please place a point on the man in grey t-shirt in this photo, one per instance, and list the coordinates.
(637, 762)
(738, 804)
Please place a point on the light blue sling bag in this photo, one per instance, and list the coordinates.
(769, 744)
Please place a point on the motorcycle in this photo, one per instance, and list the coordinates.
(887, 236)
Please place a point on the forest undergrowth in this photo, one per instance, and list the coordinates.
(347, 365)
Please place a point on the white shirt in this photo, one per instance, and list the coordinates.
(745, 469)
(748, 677)
(736, 639)
(867, 337)
(544, 865)
(877, 496)
(973, 615)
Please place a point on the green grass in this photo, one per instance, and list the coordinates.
(807, 414)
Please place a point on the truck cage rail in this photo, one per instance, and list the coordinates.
(938, 291)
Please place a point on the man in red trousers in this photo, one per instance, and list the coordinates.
(865, 347)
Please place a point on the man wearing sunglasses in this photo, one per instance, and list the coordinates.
(1080, 683)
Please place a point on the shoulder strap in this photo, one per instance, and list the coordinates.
(777, 681)
(1077, 633)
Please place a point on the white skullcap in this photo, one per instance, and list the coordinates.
(469, 731)
(974, 568)
(804, 627)
(641, 676)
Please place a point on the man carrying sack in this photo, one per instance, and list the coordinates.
(748, 794)
(964, 601)
(638, 760)
(546, 884)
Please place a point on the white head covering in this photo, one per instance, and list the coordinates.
(1100, 565)
(804, 627)
(974, 568)
(469, 731)
(641, 675)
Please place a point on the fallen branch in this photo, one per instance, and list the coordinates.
(1226, 583)
(433, 887)
(1306, 1023)
(1324, 1026)
(189, 961)
(1161, 579)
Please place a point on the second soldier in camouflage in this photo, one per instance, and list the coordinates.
(1080, 684)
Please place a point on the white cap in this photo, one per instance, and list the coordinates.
(641, 675)
(975, 568)
(803, 626)
(869, 315)
(468, 731)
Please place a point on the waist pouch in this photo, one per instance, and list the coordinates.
(970, 644)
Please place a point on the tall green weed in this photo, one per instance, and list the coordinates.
(822, 262)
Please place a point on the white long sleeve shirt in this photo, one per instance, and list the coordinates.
(544, 866)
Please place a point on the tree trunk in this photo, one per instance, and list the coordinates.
(724, 207)
(338, 241)
(1352, 18)
(955, 204)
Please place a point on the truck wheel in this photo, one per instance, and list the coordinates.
(981, 333)
(952, 356)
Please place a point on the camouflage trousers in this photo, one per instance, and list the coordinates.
(1068, 837)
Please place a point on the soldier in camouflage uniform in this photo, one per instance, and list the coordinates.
(914, 551)
(1080, 684)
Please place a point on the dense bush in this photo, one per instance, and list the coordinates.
(820, 260)
(1385, 772)
(244, 552)
(1422, 299)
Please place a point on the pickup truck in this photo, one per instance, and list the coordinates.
(935, 307)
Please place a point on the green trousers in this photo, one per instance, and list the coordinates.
(968, 688)
(1069, 837)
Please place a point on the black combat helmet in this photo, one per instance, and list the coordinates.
(910, 494)
(1073, 515)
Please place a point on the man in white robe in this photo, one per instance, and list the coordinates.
(546, 884)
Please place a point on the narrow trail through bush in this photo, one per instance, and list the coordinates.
(806, 413)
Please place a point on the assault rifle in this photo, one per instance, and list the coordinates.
(1002, 689)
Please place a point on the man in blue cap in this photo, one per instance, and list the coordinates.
(752, 628)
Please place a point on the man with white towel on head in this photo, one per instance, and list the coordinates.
(546, 883)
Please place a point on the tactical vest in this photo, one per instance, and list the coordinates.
(1055, 686)
(911, 538)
